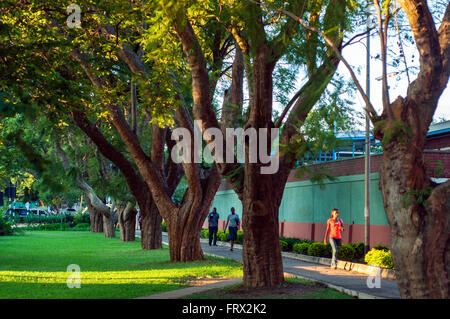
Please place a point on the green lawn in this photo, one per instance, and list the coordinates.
(34, 265)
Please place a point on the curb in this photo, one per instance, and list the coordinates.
(350, 292)
(345, 265)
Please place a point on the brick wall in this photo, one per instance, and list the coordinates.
(437, 142)
(355, 166)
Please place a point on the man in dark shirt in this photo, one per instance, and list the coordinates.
(213, 220)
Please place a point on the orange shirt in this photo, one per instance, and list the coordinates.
(335, 232)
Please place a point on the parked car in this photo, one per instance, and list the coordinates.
(20, 212)
(39, 212)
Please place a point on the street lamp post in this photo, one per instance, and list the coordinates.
(367, 147)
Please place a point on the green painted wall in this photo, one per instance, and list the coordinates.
(308, 203)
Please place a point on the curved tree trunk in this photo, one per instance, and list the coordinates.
(127, 222)
(416, 208)
(95, 218)
(417, 211)
(184, 234)
(420, 230)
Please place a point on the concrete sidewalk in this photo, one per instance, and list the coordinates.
(349, 282)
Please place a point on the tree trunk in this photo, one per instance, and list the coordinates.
(261, 250)
(127, 222)
(108, 225)
(151, 231)
(261, 255)
(420, 227)
(184, 236)
(95, 218)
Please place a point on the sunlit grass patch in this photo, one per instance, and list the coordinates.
(35, 266)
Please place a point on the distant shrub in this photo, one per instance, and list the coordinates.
(240, 237)
(163, 226)
(6, 228)
(60, 226)
(82, 227)
(291, 242)
(204, 233)
(359, 250)
(381, 247)
(380, 258)
(80, 218)
(301, 248)
(317, 249)
(284, 245)
(223, 236)
(346, 252)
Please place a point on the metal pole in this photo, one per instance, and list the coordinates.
(367, 150)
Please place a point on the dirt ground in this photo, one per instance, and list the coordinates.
(289, 289)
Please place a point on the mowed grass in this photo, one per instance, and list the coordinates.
(34, 265)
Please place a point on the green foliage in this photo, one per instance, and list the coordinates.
(301, 248)
(381, 247)
(240, 237)
(164, 227)
(284, 245)
(204, 233)
(292, 241)
(82, 227)
(420, 197)
(317, 249)
(80, 218)
(380, 258)
(359, 250)
(346, 252)
(6, 228)
(397, 130)
(58, 226)
(223, 236)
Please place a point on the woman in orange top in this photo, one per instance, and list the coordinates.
(334, 228)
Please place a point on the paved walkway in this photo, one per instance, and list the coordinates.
(349, 282)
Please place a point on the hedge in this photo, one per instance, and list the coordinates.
(380, 258)
(353, 252)
(223, 236)
(301, 248)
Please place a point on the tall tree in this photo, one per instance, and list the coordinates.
(263, 43)
(416, 207)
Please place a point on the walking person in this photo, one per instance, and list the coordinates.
(335, 226)
(213, 223)
(233, 220)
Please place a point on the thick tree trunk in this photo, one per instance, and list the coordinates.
(260, 201)
(127, 223)
(95, 218)
(261, 252)
(184, 237)
(420, 227)
(108, 225)
(151, 231)
(96, 221)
